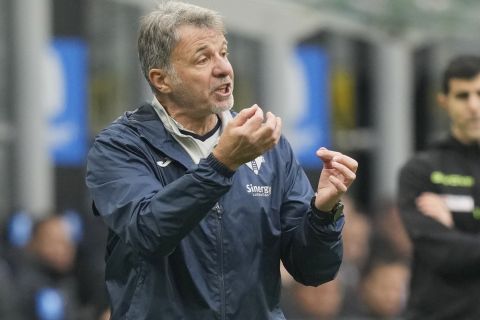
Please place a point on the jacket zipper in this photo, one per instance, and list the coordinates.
(218, 210)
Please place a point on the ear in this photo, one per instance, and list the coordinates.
(442, 100)
(159, 79)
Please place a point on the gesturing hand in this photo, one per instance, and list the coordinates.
(247, 136)
(337, 175)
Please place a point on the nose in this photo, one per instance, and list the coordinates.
(222, 67)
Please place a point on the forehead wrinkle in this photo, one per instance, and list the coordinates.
(206, 46)
(197, 45)
(201, 48)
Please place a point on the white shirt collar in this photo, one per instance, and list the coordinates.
(196, 149)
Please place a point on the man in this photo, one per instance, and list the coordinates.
(45, 277)
(439, 198)
(201, 204)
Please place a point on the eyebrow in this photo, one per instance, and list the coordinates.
(204, 47)
(462, 94)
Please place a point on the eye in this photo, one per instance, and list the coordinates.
(462, 95)
(224, 52)
(202, 60)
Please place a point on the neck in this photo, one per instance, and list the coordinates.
(199, 126)
(463, 139)
(192, 120)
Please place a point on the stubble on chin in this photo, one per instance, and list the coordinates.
(227, 105)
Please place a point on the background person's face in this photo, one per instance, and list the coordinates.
(463, 106)
(203, 80)
(54, 246)
(384, 289)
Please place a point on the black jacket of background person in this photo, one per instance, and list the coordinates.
(445, 281)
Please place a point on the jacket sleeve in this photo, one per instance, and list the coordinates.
(448, 251)
(311, 251)
(148, 216)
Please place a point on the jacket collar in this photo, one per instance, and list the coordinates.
(449, 142)
(146, 121)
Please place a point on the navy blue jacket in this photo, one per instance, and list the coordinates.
(196, 241)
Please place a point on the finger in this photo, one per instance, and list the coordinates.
(272, 129)
(255, 121)
(326, 155)
(343, 170)
(270, 120)
(266, 133)
(426, 195)
(245, 114)
(278, 130)
(350, 163)
(268, 127)
(348, 168)
(323, 152)
(421, 204)
(339, 185)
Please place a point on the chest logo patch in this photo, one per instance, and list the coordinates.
(259, 191)
(164, 162)
(452, 180)
(255, 165)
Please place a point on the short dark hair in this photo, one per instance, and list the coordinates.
(460, 67)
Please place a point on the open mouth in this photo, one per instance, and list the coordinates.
(224, 90)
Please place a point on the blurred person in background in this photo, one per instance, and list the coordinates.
(388, 227)
(383, 287)
(9, 298)
(324, 302)
(45, 278)
(104, 315)
(202, 203)
(90, 264)
(356, 234)
(439, 201)
(356, 242)
(338, 298)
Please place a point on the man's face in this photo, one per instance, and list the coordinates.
(53, 245)
(203, 76)
(463, 106)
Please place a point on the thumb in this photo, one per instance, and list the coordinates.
(245, 114)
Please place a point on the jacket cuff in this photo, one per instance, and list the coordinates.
(322, 217)
(333, 229)
(218, 166)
